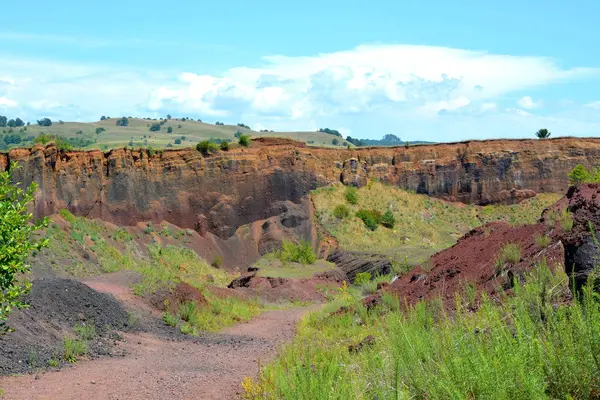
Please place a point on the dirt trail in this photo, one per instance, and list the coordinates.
(161, 367)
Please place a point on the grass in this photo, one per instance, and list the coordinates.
(301, 252)
(543, 241)
(85, 331)
(272, 267)
(421, 225)
(188, 133)
(527, 347)
(74, 348)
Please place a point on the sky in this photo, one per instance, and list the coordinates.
(428, 70)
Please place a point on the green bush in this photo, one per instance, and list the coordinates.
(579, 175)
(351, 195)
(205, 147)
(388, 220)
(371, 218)
(362, 278)
(301, 252)
(224, 146)
(341, 211)
(244, 140)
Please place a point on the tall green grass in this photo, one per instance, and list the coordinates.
(530, 346)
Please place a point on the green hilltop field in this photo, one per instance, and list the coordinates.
(183, 133)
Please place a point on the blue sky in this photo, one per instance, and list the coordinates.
(433, 70)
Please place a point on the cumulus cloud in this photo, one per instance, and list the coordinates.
(400, 89)
(5, 102)
(430, 79)
(527, 103)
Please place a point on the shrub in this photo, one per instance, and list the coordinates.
(187, 311)
(219, 123)
(371, 218)
(122, 121)
(170, 129)
(99, 130)
(17, 243)
(543, 241)
(244, 140)
(362, 278)
(543, 134)
(170, 319)
(388, 220)
(579, 175)
(301, 252)
(224, 146)
(351, 195)
(155, 127)
(341, 211)
(205, 147)
(177, 141)
(45, 122)
(335, 142)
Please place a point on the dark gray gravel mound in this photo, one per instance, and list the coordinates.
(56, 305)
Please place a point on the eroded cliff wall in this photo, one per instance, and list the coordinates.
(224, 191)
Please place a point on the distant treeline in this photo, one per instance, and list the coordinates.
(387, 140)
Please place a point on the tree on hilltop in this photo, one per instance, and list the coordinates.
(543, 134)
(45, 122)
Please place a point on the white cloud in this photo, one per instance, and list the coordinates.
(488, 107)
(527, 103)
(369, 89)
(5, 102)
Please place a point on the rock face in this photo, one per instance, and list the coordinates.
(353, 263)
(222, 192)
(582, 248)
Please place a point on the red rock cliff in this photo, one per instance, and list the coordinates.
(224, 191)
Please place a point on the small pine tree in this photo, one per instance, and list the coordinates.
(579, 175)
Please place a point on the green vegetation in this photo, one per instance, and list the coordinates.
(341, 211)
(580, 175)
(423, 225)
(388, 220)
(109, 133)
(85, 331)
(244, 140)
(205, 147)
(301, 252)
(371, 218)
(17, 243)
(224, 146)
(74, 348)
(362, 278)
(526, 347)
(543, 241)
(351, 195)
(543, 134)
(510, 253)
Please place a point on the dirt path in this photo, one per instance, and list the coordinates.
(157, 367)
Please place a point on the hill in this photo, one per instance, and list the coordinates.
(424, 225)
(174, 133)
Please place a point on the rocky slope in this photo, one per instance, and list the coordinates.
(222, 192)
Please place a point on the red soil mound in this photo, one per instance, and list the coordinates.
(473, 260)
(182, 293)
